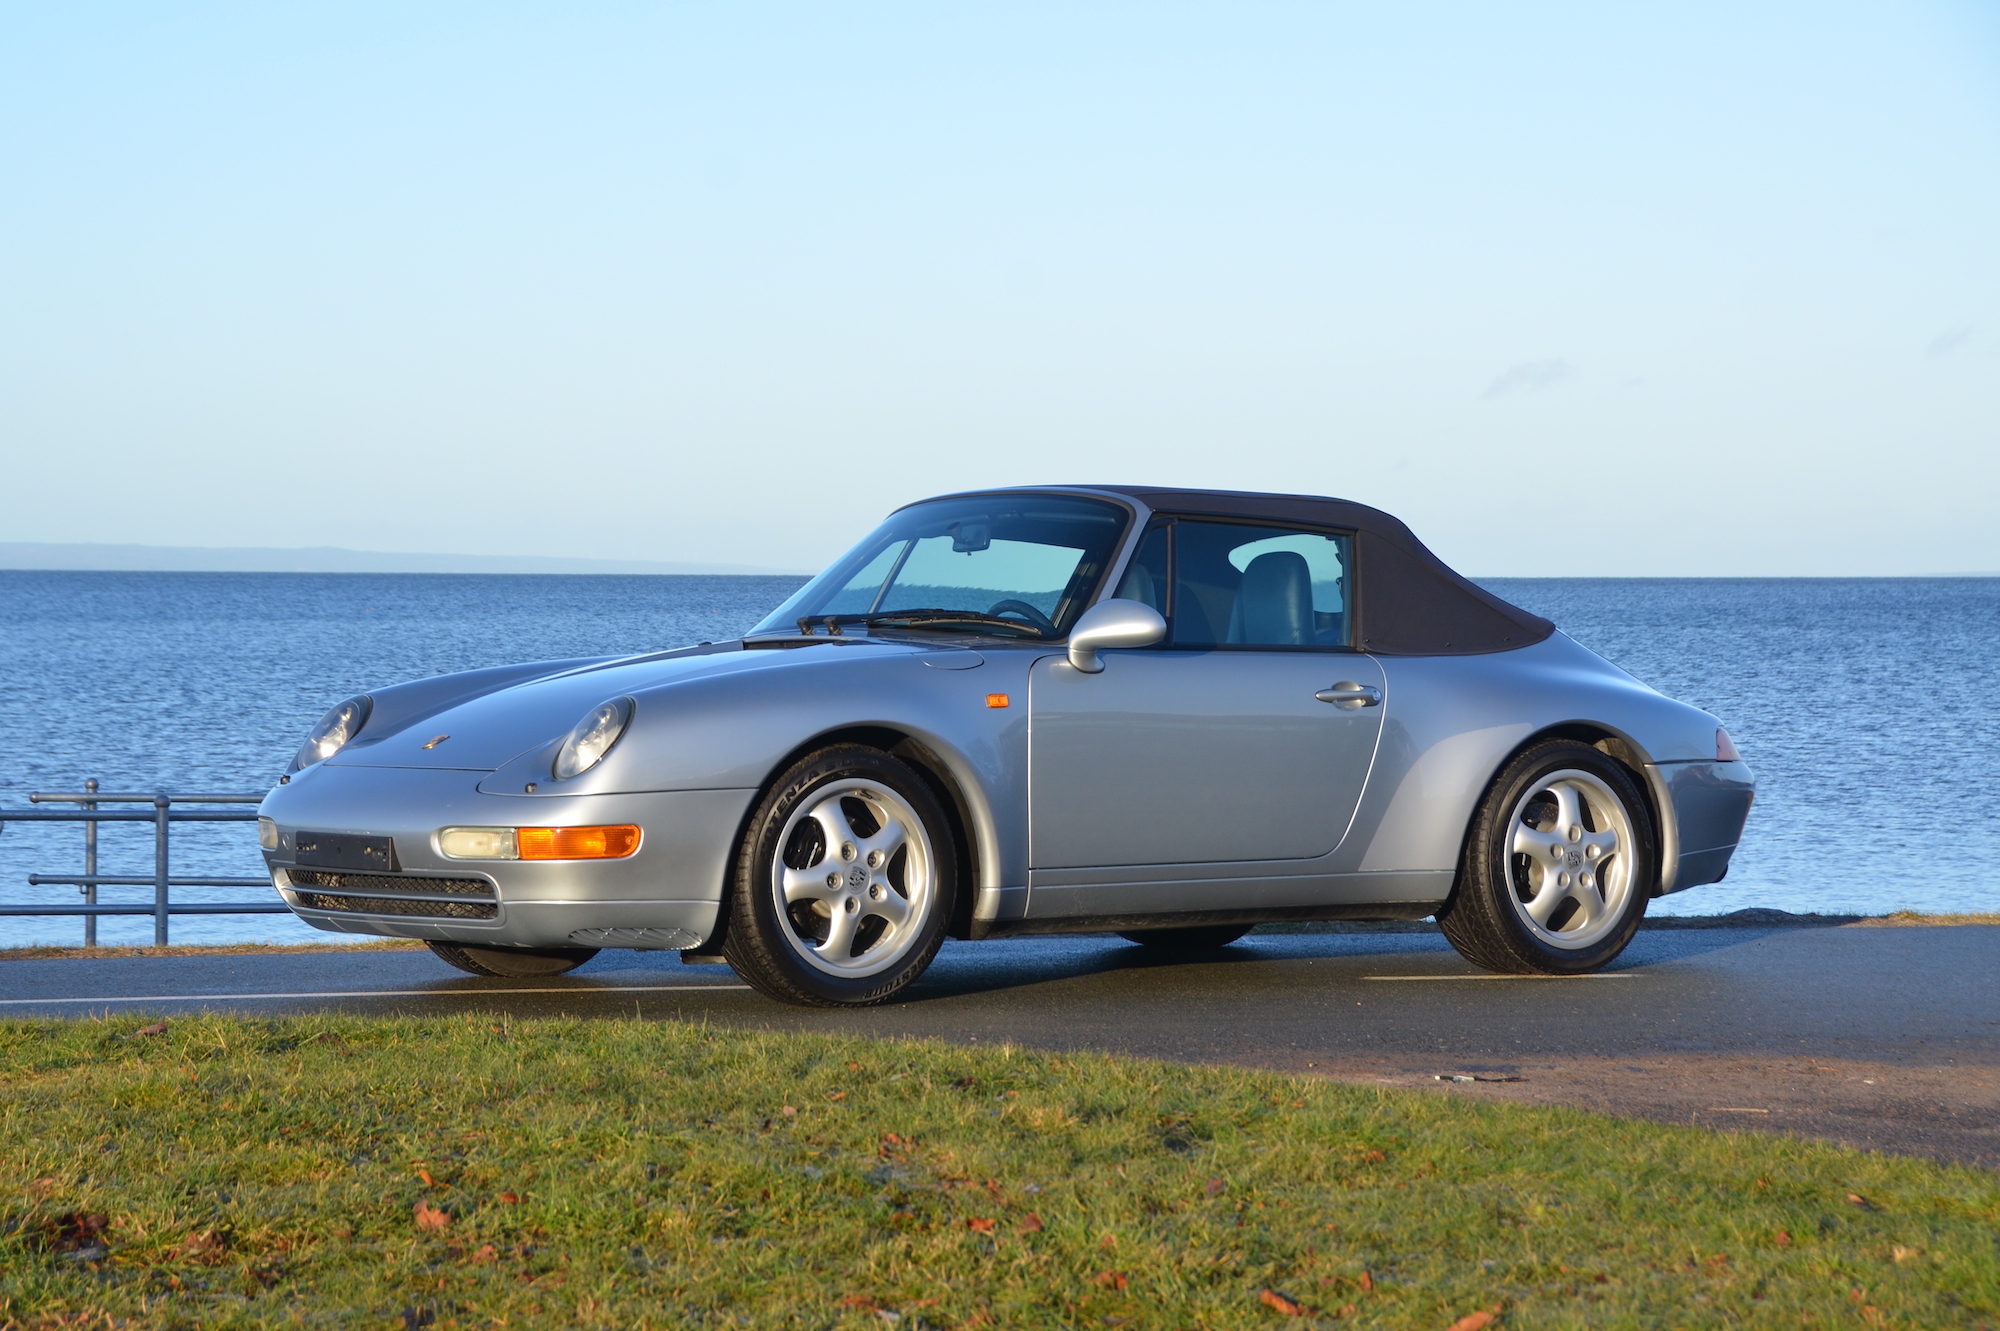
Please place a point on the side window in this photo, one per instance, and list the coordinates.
(1237, 585)
(1146, 576)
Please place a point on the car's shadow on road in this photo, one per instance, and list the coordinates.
(967, 970)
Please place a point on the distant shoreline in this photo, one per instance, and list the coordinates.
(53, 557)
(35, 557)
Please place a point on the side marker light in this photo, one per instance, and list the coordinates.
(1725, 748)
(996, 700)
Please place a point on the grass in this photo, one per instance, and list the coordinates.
(226, 1172)
(1914, 919)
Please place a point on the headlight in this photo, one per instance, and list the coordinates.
(334, 730)
(585, 746)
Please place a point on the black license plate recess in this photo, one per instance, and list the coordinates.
(344, 850)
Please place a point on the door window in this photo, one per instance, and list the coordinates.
(1242, 585)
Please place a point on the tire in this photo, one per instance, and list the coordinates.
(871, 825)
(1197, 938)
(1559, 863)
(513, 963)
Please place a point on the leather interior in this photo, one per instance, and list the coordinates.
(1274, 602)
(1139, 585)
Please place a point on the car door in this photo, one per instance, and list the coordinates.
(1246, 736)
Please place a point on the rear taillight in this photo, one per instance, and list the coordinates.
(1725, 748)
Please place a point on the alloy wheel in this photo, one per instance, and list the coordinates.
(854, 879)
(1569, 859)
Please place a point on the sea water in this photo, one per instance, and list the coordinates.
(1866, 708)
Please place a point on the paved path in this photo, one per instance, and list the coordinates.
(1879, 1037)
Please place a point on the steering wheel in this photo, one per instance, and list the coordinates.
(1027, 612)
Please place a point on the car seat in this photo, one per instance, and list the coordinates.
(1274, 603)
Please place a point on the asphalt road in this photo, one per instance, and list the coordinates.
(1879, 1037)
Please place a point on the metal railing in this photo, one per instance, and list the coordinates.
(166, 811)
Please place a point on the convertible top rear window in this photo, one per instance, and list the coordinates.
(1014, 565)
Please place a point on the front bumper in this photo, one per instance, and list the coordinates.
(666, 895)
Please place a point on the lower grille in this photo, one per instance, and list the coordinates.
(454, 910)
(384, 894)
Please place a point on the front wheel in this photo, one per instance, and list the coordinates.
(513, 963)
(845, 881)
(1559, 864)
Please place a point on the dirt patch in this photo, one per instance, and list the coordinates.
(1755, 917)
(197, 950)
(1942, 1109)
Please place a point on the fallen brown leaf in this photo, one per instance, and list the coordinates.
(431, 1218)
(425, 1175)
(980, 1224)
(485, 1254)
(1111, 1280)
(157, 1028)
(1473, 1321)
(1215, 1187)
(1784, 1239)
(42, 1187)
(1031, 1223)
(1270, 1298)
(789, 1112)
(1856, 1199)
(510, 1198)
(205, 1246)
(76, 1231)
(838, 1095)
(1367, 1283)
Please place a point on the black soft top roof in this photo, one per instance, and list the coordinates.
(1408, 602)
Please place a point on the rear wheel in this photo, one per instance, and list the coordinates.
(513, 963)
(1559, 864)
(845, 881)
(1196, 938)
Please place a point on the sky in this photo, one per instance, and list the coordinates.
(1640, 289)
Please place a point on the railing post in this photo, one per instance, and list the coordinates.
(90, 866)
(160, 803)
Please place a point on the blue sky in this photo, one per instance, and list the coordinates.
(1573, 289)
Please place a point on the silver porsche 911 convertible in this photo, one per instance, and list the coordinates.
(1168, 714)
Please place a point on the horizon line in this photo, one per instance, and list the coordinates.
(133, 557)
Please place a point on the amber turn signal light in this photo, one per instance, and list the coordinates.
(996, 700)
(577, 843)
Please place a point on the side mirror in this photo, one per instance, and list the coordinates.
(1113, 623)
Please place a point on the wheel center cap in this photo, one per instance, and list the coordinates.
(857, 876)
(1574, 859)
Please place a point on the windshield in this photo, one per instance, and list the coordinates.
(1012, 565)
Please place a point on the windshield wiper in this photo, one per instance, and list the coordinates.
(915, 619)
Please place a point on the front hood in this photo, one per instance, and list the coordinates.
(485, 732)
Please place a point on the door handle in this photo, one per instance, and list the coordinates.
(1348, 695)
